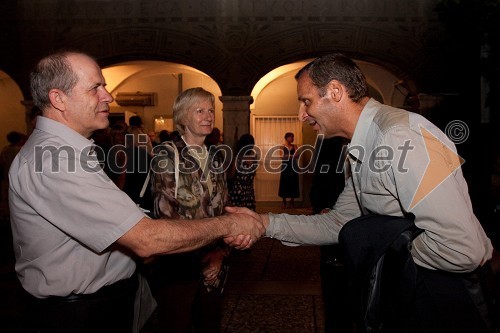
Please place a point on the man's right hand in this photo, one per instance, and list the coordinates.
(246, 227)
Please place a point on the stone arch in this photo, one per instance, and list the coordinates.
(12, 112)
(388, 50)
(383, 83)
(154, 44)
(237, 62)
(166, 79)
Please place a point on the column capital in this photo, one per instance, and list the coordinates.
(236, 98)
(236, 113)
(236, 103)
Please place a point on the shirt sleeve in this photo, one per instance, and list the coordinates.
(319, 229)
(429, 184)
(85, 204)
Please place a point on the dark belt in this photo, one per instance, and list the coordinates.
(117, 288)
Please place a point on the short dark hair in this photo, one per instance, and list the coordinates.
(246, 140)
(52, 72)
(338, 67)
(135, 121)
(15, 137)
(289, 134)
(164, 135)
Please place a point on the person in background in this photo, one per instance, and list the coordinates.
(388, 157)
(152, 138)
(214, 138)
(77, 236)
(116, 166)
(327, 184)
(139, 151)
(33, 115)
(102, 141)
(175, 135)
(16, 141)
(189, 183)
(137, 135)
(289, 178)
(242, 172)
(163, 136)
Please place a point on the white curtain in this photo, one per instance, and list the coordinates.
(269, 132)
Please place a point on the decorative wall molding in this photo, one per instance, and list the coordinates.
(236, 42)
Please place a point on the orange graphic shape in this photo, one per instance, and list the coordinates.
(442, 163)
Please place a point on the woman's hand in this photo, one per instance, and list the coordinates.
(212, 264)
(243, 241)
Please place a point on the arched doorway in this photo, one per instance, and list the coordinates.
(274, 112)
(161, 82)
(12, 111)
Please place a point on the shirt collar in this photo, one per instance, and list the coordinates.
(360, 135)
(58, 129)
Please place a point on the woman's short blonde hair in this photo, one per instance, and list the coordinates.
(185, 101)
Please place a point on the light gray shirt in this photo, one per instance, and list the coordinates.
(401, 163)
(65, 215)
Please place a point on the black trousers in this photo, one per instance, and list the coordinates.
(187, 306)
(111, 309)
(447, 302)
(334, 285)
(442, 302)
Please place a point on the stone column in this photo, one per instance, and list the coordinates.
(236, 117)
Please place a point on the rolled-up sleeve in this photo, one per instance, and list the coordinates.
(320, 229)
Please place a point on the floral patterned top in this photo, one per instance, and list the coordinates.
(188, 182)
(182, 188)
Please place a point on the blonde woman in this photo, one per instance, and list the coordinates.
(187, 184)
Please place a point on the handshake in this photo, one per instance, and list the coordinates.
(245, 227)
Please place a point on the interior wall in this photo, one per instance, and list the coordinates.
(279, 97)
(12, 112)
(384, 84)
(276, 95)
(276, 92)
(164, 79)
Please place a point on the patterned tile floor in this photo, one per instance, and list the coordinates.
(274, 288)
(271, 288)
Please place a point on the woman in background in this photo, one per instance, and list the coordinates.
(242, 173)
(289, 178)
(117, 157)
(16, 141)
(139, 151)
